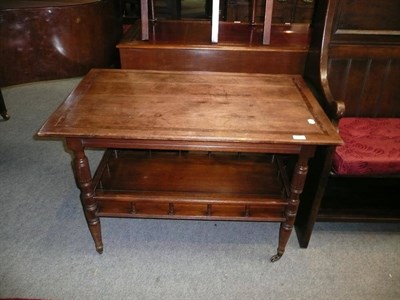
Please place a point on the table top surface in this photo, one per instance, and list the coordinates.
(192, 106)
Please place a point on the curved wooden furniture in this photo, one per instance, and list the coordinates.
(44, 40)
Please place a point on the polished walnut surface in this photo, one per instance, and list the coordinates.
(192, 106)
(46, 40)
(191, 145)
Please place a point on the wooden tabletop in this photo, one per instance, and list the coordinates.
(192, 106)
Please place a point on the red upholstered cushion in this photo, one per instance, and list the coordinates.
(371, 146)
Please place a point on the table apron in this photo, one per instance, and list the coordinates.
(193, 145)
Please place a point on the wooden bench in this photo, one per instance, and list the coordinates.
(354, 65)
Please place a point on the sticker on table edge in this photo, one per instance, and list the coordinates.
(299, 137)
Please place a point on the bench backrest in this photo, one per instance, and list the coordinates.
(356, 55)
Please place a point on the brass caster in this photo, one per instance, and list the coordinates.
(99, 249)
(276, 257)
(5, 115)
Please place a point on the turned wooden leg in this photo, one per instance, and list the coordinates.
(84, 179)
(296, 187)
(3, 109)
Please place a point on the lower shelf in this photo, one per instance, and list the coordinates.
(361, 200)
(190, 185)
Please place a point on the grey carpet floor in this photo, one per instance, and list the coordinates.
(46, 250)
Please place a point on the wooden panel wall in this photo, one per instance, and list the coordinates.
(370, 86)
(364, 57)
